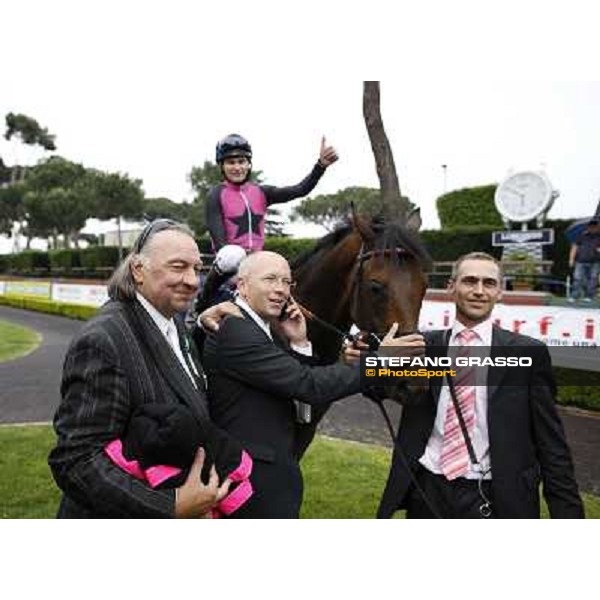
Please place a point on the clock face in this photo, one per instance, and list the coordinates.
(523, 196)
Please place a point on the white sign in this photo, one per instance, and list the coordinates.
(91, 295)
(29, 287)
(2, 287)
(554, 325)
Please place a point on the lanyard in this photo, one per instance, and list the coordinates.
(485, 510)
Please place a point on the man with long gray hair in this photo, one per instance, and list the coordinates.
(131, 354)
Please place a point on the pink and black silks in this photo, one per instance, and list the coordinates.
(161, 442)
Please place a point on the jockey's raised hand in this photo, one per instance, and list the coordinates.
(328, 154)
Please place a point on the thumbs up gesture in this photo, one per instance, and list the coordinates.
(327, 154)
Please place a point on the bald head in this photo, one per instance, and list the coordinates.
(260, 260)
(264, 283)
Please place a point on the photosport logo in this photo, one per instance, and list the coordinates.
(511, 365)
(427, 367)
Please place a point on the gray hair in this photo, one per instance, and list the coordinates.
(121, 285)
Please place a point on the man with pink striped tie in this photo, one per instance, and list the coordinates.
(479, 444)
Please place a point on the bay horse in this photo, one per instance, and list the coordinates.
(369, 273)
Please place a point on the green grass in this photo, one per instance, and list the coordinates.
(16, 341)
(346, 480)
(342, 479)
(27, 489)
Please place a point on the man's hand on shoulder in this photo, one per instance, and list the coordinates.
(211, 318)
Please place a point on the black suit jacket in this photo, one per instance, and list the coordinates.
(527, 440)
(118, 361)
(252, 384)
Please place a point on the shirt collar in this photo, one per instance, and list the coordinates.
(483, 330)
(159, 319)
(258, 320)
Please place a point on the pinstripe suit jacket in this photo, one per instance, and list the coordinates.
(117, 361)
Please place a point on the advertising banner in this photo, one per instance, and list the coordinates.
(40, 289)
(91, 295)
(554, 325)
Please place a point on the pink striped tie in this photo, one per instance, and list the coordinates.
(454, 458)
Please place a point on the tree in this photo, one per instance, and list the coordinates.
(202, 180)
(4, 173)
(12, 207)
(163, 208)
(116, 196)
(274, 223)
(331, 210)
(29, 131)
(59, 211)
(57, 200)
(392, 200)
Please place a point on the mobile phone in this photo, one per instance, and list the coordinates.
(283, 315)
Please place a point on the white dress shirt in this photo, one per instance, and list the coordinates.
(306, 350)
(480, 438)
(169, 330)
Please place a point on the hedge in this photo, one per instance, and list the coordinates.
(97, 261)
(64, 260)
(584, 395)
(469, 206)
(72, 311)
(28, 260)
(99, 257)
(288, 247)
(443, 245)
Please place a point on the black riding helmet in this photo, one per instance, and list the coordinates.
(233, 145)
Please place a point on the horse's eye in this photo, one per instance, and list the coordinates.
(377, 287)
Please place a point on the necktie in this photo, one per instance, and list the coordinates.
(454, 458)
(173, 338)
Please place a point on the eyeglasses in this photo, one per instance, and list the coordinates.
(273, 280)
(151, 229)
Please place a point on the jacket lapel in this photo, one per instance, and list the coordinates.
(438, 340)
(167, 363)
(248, 317)
(500, 338)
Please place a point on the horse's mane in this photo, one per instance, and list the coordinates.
(388, 236)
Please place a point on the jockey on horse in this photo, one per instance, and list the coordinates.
(236, 209)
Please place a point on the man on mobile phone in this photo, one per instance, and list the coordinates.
(257, 366)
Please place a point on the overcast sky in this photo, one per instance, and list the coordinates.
(150, 93)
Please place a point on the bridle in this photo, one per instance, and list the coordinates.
(372, 339)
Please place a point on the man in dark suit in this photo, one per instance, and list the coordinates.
(516, 436)
(132, 353)
(255, 375)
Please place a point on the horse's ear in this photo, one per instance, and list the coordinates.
(361, 225)
(413, 221)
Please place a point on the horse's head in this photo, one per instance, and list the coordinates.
(388, 280)
(368, 272)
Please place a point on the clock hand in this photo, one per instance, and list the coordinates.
(515, 191)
